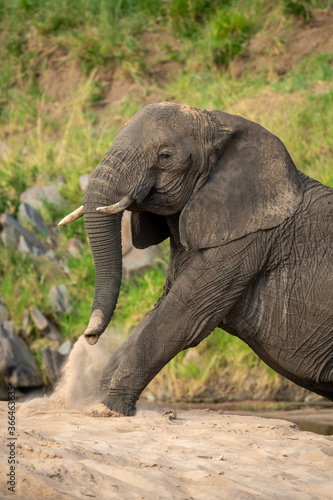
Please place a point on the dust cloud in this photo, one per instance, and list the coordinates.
(80, 376)
(77, 387)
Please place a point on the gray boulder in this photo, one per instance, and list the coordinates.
(83, 182)
(54, 359)
(25, 247)
(59, 299)
(26, 324)
(27, 214)
(17, 366)
(44, 326)
(4, 313)
(75, 247)
(138, 260)
(37, 197)
(14, 234)
(134, 260)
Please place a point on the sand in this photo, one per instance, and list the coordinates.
(63, 453)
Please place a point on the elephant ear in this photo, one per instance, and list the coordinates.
(253, 185)
(148, 229)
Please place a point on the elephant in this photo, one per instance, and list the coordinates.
(251, 243)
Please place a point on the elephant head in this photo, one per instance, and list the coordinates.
(223, 175)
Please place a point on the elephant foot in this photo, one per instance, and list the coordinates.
(101, 410)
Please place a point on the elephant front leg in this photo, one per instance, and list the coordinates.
(194, 306)
(147, 352)
(144, 353)
(176, 324)
(121, 353)
(101, 410)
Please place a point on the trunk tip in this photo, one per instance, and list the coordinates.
(96, 327)
(91, 338)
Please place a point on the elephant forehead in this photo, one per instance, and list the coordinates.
(170, 107)
(159, 125)
(190, 111)
(167, 112)
(181, 113)
(147, 133)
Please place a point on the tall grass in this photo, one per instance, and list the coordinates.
(102, 34)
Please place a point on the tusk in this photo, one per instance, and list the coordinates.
(72, 217)
(117, 207)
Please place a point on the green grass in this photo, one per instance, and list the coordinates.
(302, 8)
(312, 71)
(25, 277)
(226, 35)
(102, 34)
(46, 137)
(138, 296)
(313, 141)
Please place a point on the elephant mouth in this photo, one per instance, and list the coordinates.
(150, 202)
(155, 197)
(161, 200)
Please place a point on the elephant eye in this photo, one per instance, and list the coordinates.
(164, 155)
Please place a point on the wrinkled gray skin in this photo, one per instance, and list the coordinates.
(250, 246)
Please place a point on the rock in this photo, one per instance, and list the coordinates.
(39, 319)
(138, 260)
(24, 247)
(65, 348)
(126, 234)
(83, 182)
(191, 356)
(75, 247)
(134, 260)
(28, 214)
(50, 363)
(14, 234)
(54, 359)
(66, 269)
(61, 179)
(44, 326)
(37, 197)
(26, 324)
(313, 399)
(4, 313)
(59, 299)
(10, 326)
(17, 366)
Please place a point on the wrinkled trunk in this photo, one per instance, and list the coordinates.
(104, 233)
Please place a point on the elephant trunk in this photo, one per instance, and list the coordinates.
(104, 233)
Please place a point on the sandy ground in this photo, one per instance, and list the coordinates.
(66, 454)
(63, 453)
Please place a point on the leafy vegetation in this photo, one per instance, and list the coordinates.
(59, 60)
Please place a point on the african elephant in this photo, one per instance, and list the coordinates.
(251, 242)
